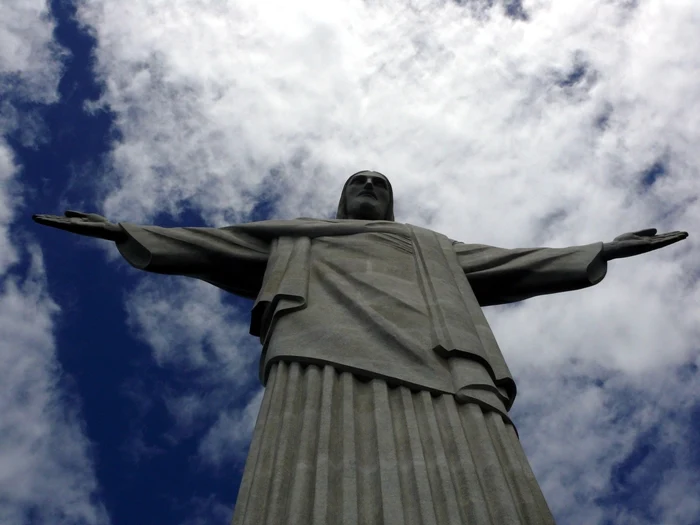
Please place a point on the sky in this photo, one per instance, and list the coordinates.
(130, 399)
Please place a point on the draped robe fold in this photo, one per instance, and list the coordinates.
(372, 301)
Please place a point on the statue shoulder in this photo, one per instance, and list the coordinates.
(420, 230)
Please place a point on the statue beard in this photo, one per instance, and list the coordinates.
(365, 211)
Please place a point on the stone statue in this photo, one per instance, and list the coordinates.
(386, 395)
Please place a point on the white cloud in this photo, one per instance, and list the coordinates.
(208, 510)
(202, 331)
(46, 466)
(8, 253)
(46, 471)
(27, 50)
(492, 130)
(195, 334)
(577, 433)
(231, 433)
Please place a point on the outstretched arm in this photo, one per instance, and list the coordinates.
(225, 257)
(500, 276)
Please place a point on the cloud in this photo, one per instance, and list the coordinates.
(46, 470)
(611, 449)
(204, 332)
(28, 54)
(229, 437)
(567, 124)
(201, 340)
(207, 510)
(8, 253)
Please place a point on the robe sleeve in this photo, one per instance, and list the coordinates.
(227, 258)
(500, 276)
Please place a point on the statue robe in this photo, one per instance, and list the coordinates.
(342, 302)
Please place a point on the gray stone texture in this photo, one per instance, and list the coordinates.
(330, 448)
(386, 395)
(377, 298)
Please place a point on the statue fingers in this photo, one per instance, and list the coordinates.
(636, 236)
(75, 214)
(77, 225)
(624, 237)
(671, 237)
(41, 218)
(50, 220)
(666, 239)
(648, 232)
(86, 217)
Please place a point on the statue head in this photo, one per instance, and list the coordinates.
(367, 195)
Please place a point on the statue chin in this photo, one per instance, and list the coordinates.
(365, 212)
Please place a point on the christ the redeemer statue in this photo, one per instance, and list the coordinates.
(386, 395)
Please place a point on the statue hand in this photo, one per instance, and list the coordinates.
(89, 224)
(642, 241)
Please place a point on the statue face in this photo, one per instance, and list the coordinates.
(367, 196)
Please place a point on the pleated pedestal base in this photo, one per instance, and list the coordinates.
(329, 448)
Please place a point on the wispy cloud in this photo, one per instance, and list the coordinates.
(201, 340)
(513, 124)
(229, 436)
(28, 54)
(204, 332)
(610, 447)
(46, 471)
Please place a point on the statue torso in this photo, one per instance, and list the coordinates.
(365, 310)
